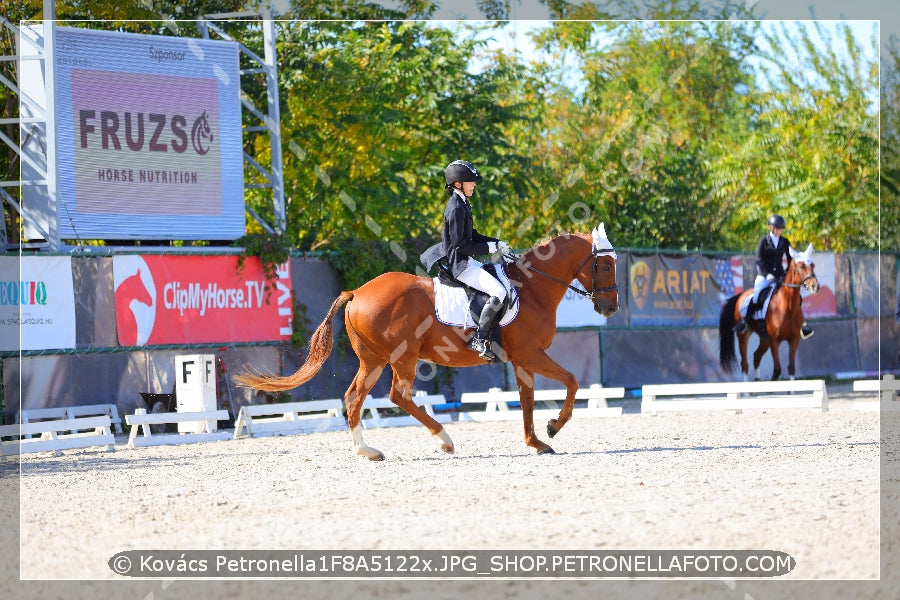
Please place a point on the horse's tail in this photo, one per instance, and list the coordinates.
(726, 335)
(319, 349)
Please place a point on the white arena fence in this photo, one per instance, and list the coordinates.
(54, 430)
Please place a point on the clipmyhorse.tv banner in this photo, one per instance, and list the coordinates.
(37, 300)
(673, 290)
(198, 299)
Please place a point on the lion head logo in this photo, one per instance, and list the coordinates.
(640, 283)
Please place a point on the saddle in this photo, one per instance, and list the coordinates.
(459, 305)
(765, 295)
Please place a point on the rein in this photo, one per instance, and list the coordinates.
(590, 295)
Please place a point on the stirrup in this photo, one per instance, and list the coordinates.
(806, 333)
(483, 348)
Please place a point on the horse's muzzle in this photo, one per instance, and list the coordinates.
(606, 310)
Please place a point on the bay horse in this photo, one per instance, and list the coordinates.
(390, 320)
(783, 321)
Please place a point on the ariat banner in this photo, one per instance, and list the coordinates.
(198, 299)
(677, 291)
(37, 303)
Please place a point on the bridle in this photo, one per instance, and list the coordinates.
(595, 254)
(802, 281)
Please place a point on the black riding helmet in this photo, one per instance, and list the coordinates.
(461, 170)
(777, 221)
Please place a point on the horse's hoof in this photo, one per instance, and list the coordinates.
(377, 457)
(447, 448)
(550, 430)
(547, 450)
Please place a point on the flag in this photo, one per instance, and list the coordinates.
(730, 276)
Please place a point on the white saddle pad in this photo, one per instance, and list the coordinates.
(452, 305)
(761, 312)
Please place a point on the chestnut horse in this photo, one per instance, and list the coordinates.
(391, 320)
(782, 323)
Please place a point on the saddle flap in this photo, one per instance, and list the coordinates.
(459, 305)
(765, 296)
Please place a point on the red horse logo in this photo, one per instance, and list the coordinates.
(129, 292)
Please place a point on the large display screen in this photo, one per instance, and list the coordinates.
(149, 137)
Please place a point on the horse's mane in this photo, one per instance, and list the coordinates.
(546, 242)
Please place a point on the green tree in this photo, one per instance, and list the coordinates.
(659, 101)
(812, 155)
(371, 114)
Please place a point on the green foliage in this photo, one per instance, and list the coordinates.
(300, 324)
(683, 132)
(358, 261)
(271, 249)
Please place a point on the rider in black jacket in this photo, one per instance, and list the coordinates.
(460, 242)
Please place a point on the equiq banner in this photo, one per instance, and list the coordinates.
(149, 136)
(198, 299)
(37, 303)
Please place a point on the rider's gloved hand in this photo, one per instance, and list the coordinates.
(770, 277)
(503, 247)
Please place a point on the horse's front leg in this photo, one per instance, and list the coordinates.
(776, 360)
(525, 381)
(793, 344)
(542, 364)
(764, 343)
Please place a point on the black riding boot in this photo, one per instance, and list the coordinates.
(480, 342)
(741, 326)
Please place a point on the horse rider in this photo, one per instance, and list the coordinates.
(772, 249)
(460, 242)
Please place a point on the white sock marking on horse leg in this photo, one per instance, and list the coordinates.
(359, 443)
(446, 442)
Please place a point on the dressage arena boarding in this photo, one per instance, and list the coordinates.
(801, 481)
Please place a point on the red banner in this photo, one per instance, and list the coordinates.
(198, 299)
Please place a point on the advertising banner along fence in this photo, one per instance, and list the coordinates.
(37, 303)
(677, 291)
(198, 299)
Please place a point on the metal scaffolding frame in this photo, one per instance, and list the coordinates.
(30, 132)
(270, 120)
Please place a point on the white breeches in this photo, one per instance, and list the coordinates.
(480, 279)
(759, 285)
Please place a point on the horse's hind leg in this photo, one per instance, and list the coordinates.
(401, 395)
(366, 377)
